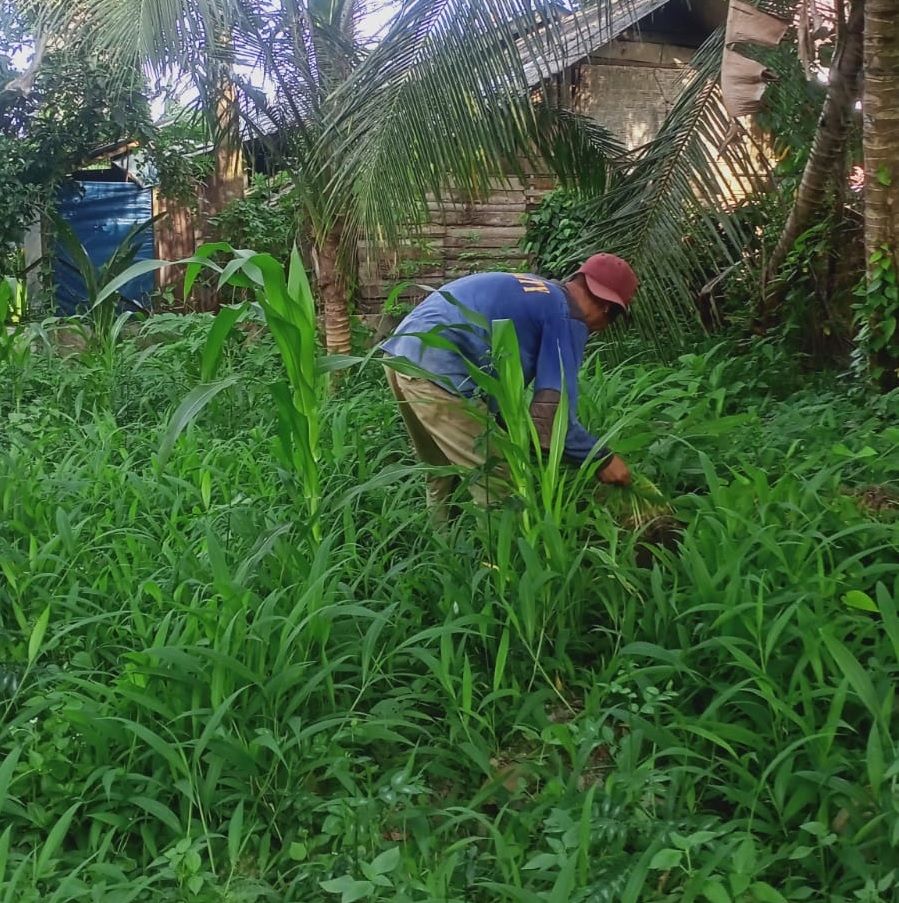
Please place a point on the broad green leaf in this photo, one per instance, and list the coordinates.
(887, 329)
(542, 861)
(875, 760)
(765, 893)
(188, 411)
(467, 685)
(745, 856)
(349, 888)
(846, 452)
(235, 834)
(889, 612)
(298, 286)
(166, 751)
(159, 811)
(855, 598)
(4, 854)
(502, 653)
(850, 668)
(222, 327)
(666, 859)
(54, 839)
(715, 892)
(6, 296)
(801, 852)
(133, 272)
(37, 634)
(78, 257)
(119, 325)
(231, 274)
(6, 773)
(331, 363)
(201, 260)
(386, 862)
(298, 851)
(689, 841)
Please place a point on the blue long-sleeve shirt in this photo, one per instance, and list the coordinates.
(550, 339)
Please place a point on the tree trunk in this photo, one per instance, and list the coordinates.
(830, 139)
(227, 182)
(333, 290)
(881, 141)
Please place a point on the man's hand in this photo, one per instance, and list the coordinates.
(615, 473)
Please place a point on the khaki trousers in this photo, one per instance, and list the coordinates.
(447, 429)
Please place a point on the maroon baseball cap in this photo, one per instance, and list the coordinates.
(610, 278)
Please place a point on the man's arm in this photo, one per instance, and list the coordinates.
(579, 443)
(559, 360)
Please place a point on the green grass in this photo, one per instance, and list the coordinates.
(208, 694)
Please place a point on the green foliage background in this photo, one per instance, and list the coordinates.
(267, 219)
(77, 104)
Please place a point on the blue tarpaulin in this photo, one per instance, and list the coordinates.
(101, 215)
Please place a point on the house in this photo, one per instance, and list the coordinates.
(102, 203)
(116, 190)
(624, 70)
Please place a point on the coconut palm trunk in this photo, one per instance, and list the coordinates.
(828, 145)
(881, 142)
(227, 182)
(330, 270)
(334, 260)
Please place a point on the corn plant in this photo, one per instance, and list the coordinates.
(289, 308)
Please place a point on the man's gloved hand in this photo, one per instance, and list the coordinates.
(615, 473)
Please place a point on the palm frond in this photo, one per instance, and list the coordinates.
(445, 100)
(581, 152)
(672, 211)
(305, 51)
(165, 35)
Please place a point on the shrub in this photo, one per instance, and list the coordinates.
(266, 220)
(553, 230)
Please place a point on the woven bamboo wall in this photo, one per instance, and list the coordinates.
(462, 237)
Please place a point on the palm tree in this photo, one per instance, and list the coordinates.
(673, 187)
(369, 132)
(372, 132)
(881, 142)
(673, 209)
(830, 139)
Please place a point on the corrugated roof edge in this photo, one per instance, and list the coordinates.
(583, 33)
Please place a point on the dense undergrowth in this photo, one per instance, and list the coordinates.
(201, 701)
